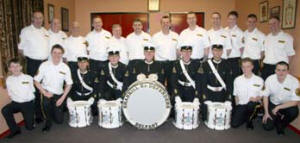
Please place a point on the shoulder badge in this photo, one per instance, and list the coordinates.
(223, 36)
(126, 74)
(175, 91)
(233, 35)
(25, 82)
(200, 70)
(61, 72)
(174, 70)
(256, 85)
(253, 38)
(200, 35)
(281, 41)
(133, 71)
(204, 96)
(196, 93)
(146, 39)
(102, 72)
(107, 37)
(96, 80)
(174, 39)
(287, 89)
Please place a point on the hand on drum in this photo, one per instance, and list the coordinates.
(266, 117)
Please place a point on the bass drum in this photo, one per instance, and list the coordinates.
(146, 104)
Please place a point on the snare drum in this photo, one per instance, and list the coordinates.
(80, 113)
(219, 115)
(110, 113)
(146, 103)
(186, 114)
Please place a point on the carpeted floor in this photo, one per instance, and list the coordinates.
(167, 133)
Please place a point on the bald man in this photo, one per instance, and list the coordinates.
(34, 46)
(56, 36)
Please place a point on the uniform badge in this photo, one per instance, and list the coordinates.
(174, 70)
(255, 39)
(25, 82)
(196, 93)
(256, 85)
(107, 37)
(96, 80)
(233, 35)
(133, 71)
(200, 35)
(287, 89)
(281, 41)
(223, 36)
(200, 70)
(146, 39)
(61, 72)
(175, 91)
(204, 96)
(127, 74)
(102, 72)
(174, 39)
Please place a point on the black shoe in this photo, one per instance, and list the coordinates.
(249, 125)
(46, 129)
(38, 120)
(11, 135)
(280, 132)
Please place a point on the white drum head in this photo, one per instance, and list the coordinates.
(146, 104)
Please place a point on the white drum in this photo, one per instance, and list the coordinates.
(146, 103)
(186, 116)
(110, 113)
(80, 113)
(218, 115)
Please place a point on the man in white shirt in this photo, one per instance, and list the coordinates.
(218, 36)
(246, 89)
(278, 47)
(97, 44)
(235, 36)
(281, 97)
(135, 42)
(195, 36)
(50, 81)
(119, 42)
(20, 89)
(253, 43)
(34, 46)
(56, 36)
(75, 46)
(166, 47)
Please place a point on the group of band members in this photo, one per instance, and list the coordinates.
(221, 64)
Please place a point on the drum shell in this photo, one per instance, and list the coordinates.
(110, 114)
(218, 115)
(80, 114)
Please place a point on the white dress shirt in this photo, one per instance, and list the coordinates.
(220, 37)
(120, 44)
(98, 44)
(253, 44)
(236, 38)
(278, 48)
(20, 88)
(197, 38)
(74, 46)
(56, 38)
(281, 92)
(245, 88)
(135, 44)
(166, 46)
(34, 42)
(53, 76)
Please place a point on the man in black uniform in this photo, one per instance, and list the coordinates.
(112, 76)
(146, 67)
(216, 80)
(84, 83)
(186, 76)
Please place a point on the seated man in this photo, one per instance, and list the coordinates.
(112, 76)
(146, 67)
(246, 89)
(20, 89)
(216, 80)
(186, 76)
(84, 83)
(280, 99)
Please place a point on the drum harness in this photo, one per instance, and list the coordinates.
(190, 82)
(221, 81)
(119, 84)
(90, 89)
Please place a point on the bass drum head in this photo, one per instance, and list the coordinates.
(146, 104)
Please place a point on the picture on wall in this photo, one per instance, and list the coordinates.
(275, 11)
(289, 8)
(64, 19)
(50, 12)
(263, 11)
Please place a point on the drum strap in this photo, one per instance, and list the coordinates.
(119, 84)
(83, 83)
(187, 76)
(213, 68)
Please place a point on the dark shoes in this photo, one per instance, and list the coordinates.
(249, 125)
(46, 129)
(38, 120)
(11, 135)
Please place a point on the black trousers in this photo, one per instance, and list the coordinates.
(51, 111)
(27, 110)
(112, 94)
(32, 68)
(267, 71)
(243, 113)
(73, 67)
(235, 67)
(282, 119)
(168, 65)
(96, 65)
(256, 67)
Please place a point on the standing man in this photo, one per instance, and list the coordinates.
(75, 45)
(50, 81)
(195, 36)
(135, 42)
(34, 46)
(278, 47)
(236, 36)
(56, 36)
(280, 99)
(166, 45)
(246, 90)
(218, 36)
(20, 89)
(253, 43)
(119, 42)
(97, 45)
